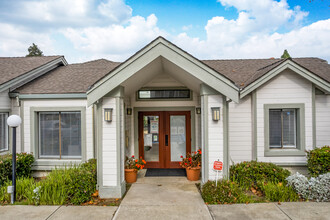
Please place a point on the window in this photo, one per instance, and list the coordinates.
(3, 131)
(282, 128)
(60, 135)
(160, 94)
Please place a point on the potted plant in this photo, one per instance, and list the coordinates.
(192, 163)
(132, 166)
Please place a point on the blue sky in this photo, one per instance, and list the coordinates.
(84, 30)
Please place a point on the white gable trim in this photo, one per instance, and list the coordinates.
(161, 47)
(288, 64)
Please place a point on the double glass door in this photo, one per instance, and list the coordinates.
(163, 137)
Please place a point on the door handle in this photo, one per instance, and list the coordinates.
(166, 140)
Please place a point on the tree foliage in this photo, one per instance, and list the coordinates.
(285, 54)
(34, 51)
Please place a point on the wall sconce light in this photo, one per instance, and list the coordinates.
(198, 110)
(129, 111)
(108, 114)
(215, 113)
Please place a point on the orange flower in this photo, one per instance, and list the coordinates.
(144, 161)
(136, 161)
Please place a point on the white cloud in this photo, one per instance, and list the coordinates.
(308, 41)
(187, 27)
(15, 41)
(116, 10)
(92, 29)
(115, 41)
(47, 14)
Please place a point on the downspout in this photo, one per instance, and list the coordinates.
(93, 133)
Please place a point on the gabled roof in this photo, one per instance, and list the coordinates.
(236, 76)
(16, 70)
(245, 71)
(161, 47)
(73, 78)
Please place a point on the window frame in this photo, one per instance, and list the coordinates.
(299, 150)
(164, 99)
(7, 132)
(34, 124)
(60, 156)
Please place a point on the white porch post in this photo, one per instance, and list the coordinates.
(111, 153)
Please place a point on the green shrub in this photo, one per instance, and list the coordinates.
(318, 161)
(278, 192)
(247, 174)
(83, 183)
(226, 192)
(23, 166)
(24, 190)
(73, 185)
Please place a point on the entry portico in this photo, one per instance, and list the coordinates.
(159, 68)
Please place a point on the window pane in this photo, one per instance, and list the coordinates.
(49, 134)
(164, 94)
(71, 134)
(275, 132)
(289, 127)
(151, 137)
(178, 136)
(3, 131)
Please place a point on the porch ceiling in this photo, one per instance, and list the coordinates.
(156, 69)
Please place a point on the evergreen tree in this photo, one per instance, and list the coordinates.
(34, 51)
(285, 54)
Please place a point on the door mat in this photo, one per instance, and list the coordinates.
(165, 172)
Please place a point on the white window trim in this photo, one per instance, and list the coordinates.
(299, 150)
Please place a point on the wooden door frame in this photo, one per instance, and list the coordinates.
(164, 129)
(168, 162)
(151, 164)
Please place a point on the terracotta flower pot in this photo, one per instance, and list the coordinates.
(193, 173)
(130, 175)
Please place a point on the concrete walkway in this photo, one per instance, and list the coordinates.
(162, 198)
(169, 198)
(26, 212)
(270, 211)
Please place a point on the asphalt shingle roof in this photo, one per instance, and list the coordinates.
(12, 67)
(77, 78)
(73, 78)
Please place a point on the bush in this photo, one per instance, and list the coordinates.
(318, 161)
(226, 192)
(317, 189)
(278, 192)
(23, 166)
(24, 190)
(73, 185)
(83, 183)
(248, 174)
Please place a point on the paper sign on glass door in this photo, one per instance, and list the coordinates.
(154, 126)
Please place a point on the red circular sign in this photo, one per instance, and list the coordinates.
(217, 165)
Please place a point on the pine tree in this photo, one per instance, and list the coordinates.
(34, 51)
(285, 54)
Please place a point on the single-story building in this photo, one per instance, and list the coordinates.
(160, 104)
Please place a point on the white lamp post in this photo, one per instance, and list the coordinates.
(14, 121)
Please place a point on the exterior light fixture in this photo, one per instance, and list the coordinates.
(215, 113)
(108, 114)
(13, 121)
(129, 111)
(198, 110)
